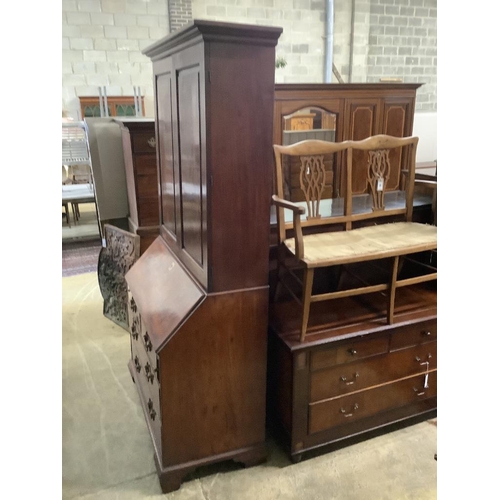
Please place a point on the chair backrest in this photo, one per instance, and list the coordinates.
(319, 175)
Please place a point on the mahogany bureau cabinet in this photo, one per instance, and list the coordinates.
(139, 154)
(199, 295)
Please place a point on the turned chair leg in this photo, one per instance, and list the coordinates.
(66, 213)
(392, 291)
(306, 300)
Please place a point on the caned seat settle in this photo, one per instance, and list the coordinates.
(388, 166)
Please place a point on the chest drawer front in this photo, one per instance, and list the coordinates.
(149, 393)
(364, 404)
(349, 352)
(147, 348)
(146, 376)
(144, 141)
(147, 186)
(149, 212)
(343, 379)
(145, 165)
(414, 334)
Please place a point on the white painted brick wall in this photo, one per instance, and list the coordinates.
(103, 39)
(102, 42)
(302, 41)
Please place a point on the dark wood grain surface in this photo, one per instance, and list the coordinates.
(356, 374)
(164, 292)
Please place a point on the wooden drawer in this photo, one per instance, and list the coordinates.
(146, 376)
(147, 187)
(349, 352)
(363, 404)
(147, 348)
(343, 379)
(149, 211)
(145, 165)
(418, 333)
(134, 319)
(144, 142)
(149, 394)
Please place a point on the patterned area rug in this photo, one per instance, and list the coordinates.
(80, 257)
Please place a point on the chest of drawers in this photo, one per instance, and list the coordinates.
(139, 154)
(352, 377)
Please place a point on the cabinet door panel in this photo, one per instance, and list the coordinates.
(188, 88)
(362, 122)
(168, 179)
(396, 121)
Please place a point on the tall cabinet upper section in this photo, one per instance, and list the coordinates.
(214, 114)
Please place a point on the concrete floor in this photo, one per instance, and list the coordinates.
(107, 453)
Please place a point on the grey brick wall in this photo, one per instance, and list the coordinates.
(302, 42)
(102, 41)
(180, 13)
(373, 39)
(403, 44)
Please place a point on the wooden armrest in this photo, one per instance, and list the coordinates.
(297, 228)
(280, 202)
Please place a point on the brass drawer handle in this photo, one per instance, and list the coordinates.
(418, 358)
(426, 333)
(354, 408)
(135, 328)
(149, 372)
(416, 389)
(133, 305)
(352, 352)
(354, 377)
(152, 412)
(147, 342)
(137, 364)
(152, 142)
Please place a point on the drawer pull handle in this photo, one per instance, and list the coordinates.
(354, 377)
(354, 408)
(418, 359)
(152, 412)
(147, 342)
(137, 364)
(416, 389)
(149, 372)
(135, 328)
(352, 352)
(426, 333)
(152, 142)
(133, 305)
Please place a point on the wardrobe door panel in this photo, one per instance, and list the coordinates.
(168, 177)
(362, 122)
(188, 87)
(397, 118)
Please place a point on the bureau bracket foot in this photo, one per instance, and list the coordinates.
(296, 458)
(252, 456)
(172, 477)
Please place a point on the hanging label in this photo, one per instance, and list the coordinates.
(380, 184)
